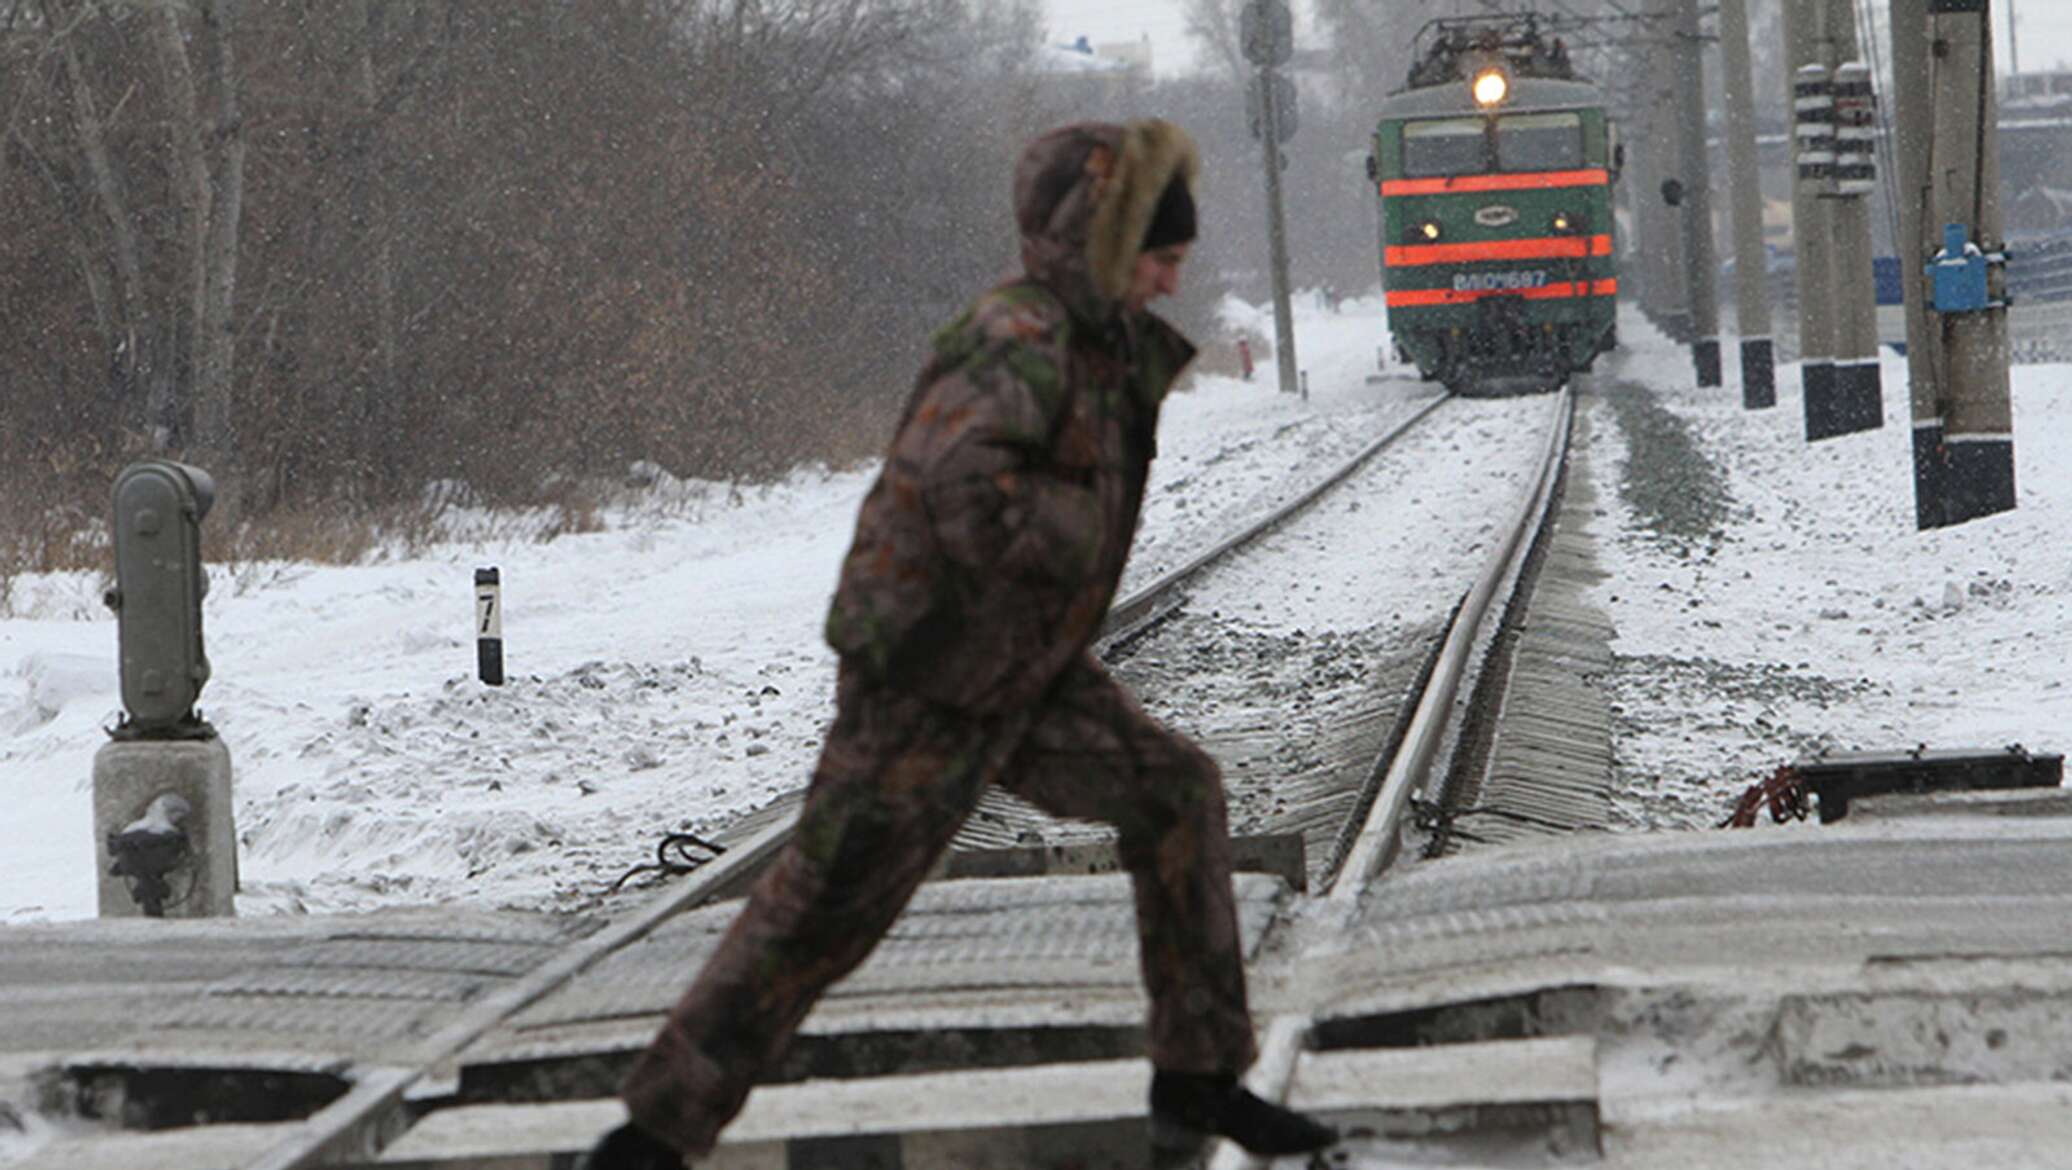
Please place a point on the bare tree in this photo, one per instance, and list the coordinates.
(209, 142)
(134, 328)
(1214, 24)
(171, 344)
(1370, 45)
(345, 250)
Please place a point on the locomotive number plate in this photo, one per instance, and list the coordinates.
(1497, 281)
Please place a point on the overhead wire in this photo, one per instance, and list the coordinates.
(1582, 47)
(1887, 147)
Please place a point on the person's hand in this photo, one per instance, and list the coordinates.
(631, 1148)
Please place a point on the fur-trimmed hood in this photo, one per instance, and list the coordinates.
(1083, 197)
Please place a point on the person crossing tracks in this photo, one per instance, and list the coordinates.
(985, 557)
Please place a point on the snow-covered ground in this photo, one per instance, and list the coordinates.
(1820, 619)
(668, 672)
(665, 673)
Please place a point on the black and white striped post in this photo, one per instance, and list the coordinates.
(489, 626)
(1856, 131)
(1813, 102)
(1859, 383)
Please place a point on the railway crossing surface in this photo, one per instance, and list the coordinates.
(1890, 990)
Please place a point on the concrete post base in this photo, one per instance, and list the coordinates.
(1705, 358)
(129, 776)
(1843, 398)
(1981, 477)
(1758, 374)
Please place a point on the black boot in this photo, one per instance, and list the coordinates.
(1189, 1108)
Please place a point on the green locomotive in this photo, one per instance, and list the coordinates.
(1495, 168)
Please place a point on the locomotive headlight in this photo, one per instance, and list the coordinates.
(1491, 87)
(1429, 229)
(1564, 223)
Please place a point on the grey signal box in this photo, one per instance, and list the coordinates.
(159, 585)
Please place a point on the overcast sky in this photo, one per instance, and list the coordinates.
(2045, 31)
(2045, 28)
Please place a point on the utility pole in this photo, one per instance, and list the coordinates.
(1665, 291)
(1751, 257)
(1812, 228)
(1859, 395)
(1266, 32)
(1277, 235)
(1963, 421)
(1701, 263)
(2014, 42)
(1920, 235)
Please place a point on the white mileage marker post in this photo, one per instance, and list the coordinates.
(489, 626)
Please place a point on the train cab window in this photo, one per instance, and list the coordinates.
(1539, 142)
(1444, 146)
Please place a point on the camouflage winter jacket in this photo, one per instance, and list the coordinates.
(988, 550)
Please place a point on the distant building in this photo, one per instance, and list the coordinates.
(1136, 54)
(1083, 56)
(2036, 151)
(1097, 72)
(2049, 89)
(2040, 211)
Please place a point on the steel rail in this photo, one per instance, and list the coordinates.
(1130, 615)
(1287, 1034)
(356, 1125)
(1375, 846)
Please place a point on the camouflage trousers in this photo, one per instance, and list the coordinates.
(896, 778)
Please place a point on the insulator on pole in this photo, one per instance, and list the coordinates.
(1813, 106)
(1855, 131)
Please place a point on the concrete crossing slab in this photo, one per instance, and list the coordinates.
(1049, 932)
(2007, 1127)
(997, 970)
(1736, 979)
(358, 991)
(1543, 1085)
(213, 1147)
(1056, 1116)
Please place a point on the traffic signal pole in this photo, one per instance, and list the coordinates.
(1266, 34)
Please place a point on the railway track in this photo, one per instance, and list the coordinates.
(1341, 828)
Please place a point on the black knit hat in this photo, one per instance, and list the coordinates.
(1173, 221)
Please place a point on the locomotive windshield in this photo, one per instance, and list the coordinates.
(1523, 142)
(1450, 146)
(1539, 142)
